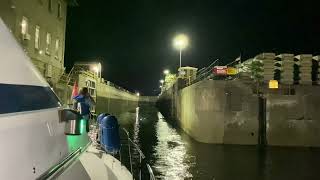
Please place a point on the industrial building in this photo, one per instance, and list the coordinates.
(40, 27)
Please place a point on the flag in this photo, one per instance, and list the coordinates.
(75, 90)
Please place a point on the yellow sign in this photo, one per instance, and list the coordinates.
(273, 84)
(232, 71)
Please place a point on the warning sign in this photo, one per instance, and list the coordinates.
(232, 71)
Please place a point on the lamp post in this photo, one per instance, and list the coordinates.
(180, 42)
(100, 70)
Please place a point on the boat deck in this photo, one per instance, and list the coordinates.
(96, 164)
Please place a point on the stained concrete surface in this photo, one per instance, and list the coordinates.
(229, 112)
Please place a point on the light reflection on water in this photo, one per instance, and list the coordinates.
(170, 153)
(136, 127)
(161, 143)
(174, 155)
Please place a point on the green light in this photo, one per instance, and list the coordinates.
(82, 126)
(76, 141)
(72, 142)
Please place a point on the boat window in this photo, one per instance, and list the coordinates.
(19, 98)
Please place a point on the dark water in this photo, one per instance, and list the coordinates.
(174, 155)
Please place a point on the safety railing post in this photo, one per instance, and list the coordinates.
(140, 167)
(141, 156)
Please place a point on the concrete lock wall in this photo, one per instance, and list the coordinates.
(108, 98)
(294, 120)
(219, 112)
(228, 112)
(114, 101)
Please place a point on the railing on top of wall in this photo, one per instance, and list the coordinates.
(204, 72)
(117, 87)
(76, 70)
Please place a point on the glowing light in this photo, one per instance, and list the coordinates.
(166, 71)
(83, 124)
(181, 41)
(24, 25)
(161, 81)
(74, 142)
(138, 94)
(273, 84)
(232, 71)
(95, 69)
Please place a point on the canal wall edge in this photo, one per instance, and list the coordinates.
(229, 112)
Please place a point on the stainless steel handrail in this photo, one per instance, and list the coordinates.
(57, 167)
(61, 165)
(129, 147)
(150, 172)
(134, 144)
(141, 157)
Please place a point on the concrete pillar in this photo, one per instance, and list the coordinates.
(317, 58)
(305, 68)
(318, 70)
(268, 60)
(287, 68)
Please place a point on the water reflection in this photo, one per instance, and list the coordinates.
(174, 155)
(170, 152)
(136, 127)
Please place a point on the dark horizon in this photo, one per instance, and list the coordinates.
(134, 39)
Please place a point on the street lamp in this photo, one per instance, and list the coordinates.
(180, 42)
(166, 71)
(97, 69)
(100, 69)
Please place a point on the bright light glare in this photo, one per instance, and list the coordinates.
(161, 81)
(166, 71)
(180, 41)
(138, 94)
(95, 69)
(24, 26)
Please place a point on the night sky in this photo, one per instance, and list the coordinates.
(133, 38)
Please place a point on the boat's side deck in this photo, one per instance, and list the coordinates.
(95, 164)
